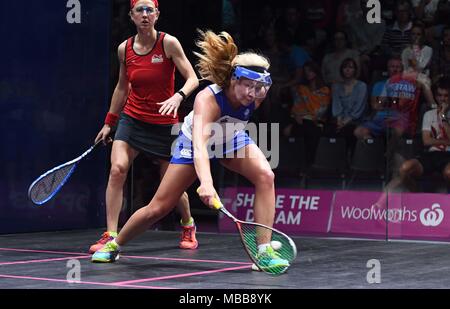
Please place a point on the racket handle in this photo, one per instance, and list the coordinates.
(217, 204)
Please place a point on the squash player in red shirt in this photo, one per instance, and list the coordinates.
(144, 107)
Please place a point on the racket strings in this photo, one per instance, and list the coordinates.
(282, 248)
(44, 188)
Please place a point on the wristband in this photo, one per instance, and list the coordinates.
(180, 92)
(111, 119)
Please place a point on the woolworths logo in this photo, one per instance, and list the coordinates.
(432, 217)
(376, 213)
(428, 217)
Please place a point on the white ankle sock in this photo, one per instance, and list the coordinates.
(116, 244)
(263, 247)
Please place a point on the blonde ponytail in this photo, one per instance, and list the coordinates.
(219, 55)
(218, 52)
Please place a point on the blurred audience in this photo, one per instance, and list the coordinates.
(349, 103)
(332, 61)
(309, 110)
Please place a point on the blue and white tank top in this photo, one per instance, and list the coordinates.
(231, 122)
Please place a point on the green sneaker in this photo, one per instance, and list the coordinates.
(270, 261)
(108, 254)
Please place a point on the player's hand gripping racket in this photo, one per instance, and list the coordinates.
(45, 187)
(273, 262)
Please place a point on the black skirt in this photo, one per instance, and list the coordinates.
(151, 139)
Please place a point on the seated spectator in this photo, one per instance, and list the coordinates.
(436, 138)
(425, 10)
(320, 14)
(309, 109)
(295, 57)
(404, 92)
(388, 11)
(417, 56)
(397, 37)
(382, 117)
(277, 103)
(332, 62)
(440, 62)
(364, 37)
(349, 103)
(295, 24)
(441, 20)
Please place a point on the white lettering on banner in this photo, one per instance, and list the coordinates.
(306, 202)
(249, 216)
(279, 201)
(432, 217)
(245, 200)
(374, 213)
(299, 202)
(74, 14)
(282, 217)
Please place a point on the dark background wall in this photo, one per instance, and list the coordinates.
(54, 91)
(56, 82)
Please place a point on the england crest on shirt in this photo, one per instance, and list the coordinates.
(157, 59)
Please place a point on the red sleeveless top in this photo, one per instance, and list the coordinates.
(152, 78)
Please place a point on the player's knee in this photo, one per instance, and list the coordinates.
(266, 177)
(118, 171)
(446, 174)
(407, 168)
(156, 211)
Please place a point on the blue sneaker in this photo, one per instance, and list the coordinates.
(271, 262)
(108, 254)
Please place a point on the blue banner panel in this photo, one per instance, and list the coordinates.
(54, 93)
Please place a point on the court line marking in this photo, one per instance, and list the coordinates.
(244, 265)
(182, 275)
(44, 260)
(184, 260)
(84, 282)
(129, 256)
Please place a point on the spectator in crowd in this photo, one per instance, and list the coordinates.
(404, 93)
(275, 107)
(425, 10)
(295, 57)
(388, 11)
(265, 22)
(441, 20)
(440, 62)
(309, 110)
(365, 37)
(349, 103)
(320, 14)
(436, 140)
(294, 24)
(417, 56)
(397, 37)
(382, 116)
(332, 62)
